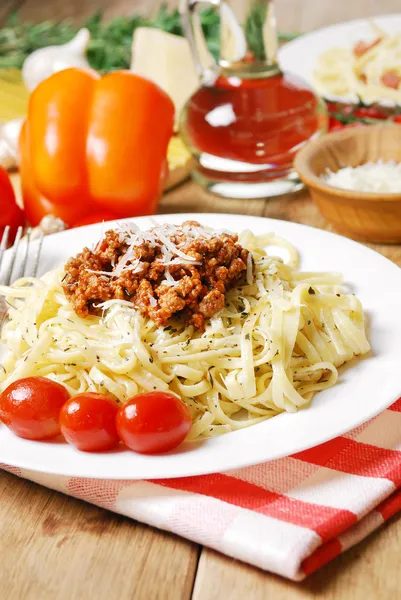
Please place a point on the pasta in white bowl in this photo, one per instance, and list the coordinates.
(275, 349)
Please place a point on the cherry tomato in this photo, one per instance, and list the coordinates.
(31, 407)
(88, 422)
(334, 124)
(372, 112)
(331, 106)
(397, 119)
(154, 422)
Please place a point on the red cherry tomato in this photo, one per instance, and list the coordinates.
(88, 422)
(371, 112)
(154, 422)
(334, 124)
(31, 407)
(331, 107)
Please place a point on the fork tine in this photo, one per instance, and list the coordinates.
(3, 244)
(9, 272)
(38, 251)
(22, 267)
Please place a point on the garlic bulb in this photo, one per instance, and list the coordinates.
(49, 224)
(7, 159)
(44, 62)
(9, 136)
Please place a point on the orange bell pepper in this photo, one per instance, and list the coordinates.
(94, 147)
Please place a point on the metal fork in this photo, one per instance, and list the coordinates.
(17, 267)
(20, 256)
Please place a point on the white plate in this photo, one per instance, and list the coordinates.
(363, 391)
(300, 55)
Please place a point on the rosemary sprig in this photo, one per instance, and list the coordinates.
(254, 30)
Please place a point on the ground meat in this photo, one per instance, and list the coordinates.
(199, 289)
(211, 303)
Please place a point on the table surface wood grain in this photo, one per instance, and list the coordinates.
(55, 547)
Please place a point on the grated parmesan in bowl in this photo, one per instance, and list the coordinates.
(377, 177)
(362, 201)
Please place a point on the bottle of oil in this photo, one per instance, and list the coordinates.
(248, 119)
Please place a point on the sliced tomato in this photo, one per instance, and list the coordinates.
(391, 80)
(362, 47)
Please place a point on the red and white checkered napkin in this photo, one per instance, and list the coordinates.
(289, 516)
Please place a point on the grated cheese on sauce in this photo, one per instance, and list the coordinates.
(160, 236)
(379, 177)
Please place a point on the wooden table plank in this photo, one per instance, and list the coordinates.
(299, 208)
(55, 547)
(191, 198)
(369, 571)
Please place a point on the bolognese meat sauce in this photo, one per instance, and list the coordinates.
(165, 271)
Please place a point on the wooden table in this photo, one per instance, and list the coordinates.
(55, 547)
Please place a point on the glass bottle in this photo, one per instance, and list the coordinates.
(248, 119)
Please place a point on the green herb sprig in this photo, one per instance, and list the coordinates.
(110, 45)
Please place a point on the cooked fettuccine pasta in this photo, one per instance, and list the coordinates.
(279, 338)
(371, 70)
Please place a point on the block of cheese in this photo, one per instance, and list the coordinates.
(165, 59)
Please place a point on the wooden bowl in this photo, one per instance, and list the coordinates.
(366, 216)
